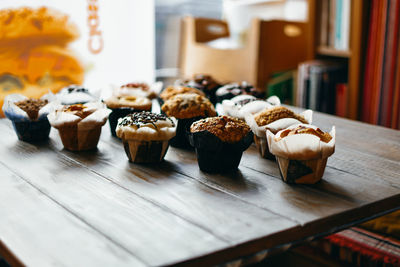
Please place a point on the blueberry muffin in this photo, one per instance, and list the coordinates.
(219, 142)
(187, 108)
(146, 136)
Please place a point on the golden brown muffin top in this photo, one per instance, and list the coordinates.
(170, 91)
(78, 110)
(269, 115)
(32, 106)
(226, 128)
(301, 129)
(185, 106)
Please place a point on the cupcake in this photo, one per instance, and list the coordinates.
(123, 105)
(135, 89)
(29, 116)
(146, 136)
(302, 152)
(171, 91)
(205, 83)
(75, 94)
(79, 125)
(187, 108)
(231, 90)
(243, 104)
(219, 142)
(273, 119)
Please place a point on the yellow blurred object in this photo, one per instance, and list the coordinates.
(34, 57)
(388, 224)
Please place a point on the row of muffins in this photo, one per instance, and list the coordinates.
(218, 141)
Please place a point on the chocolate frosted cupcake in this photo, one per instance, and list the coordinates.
(273, 119)
(205, 83)
(219, 142)
(231, 90)
(302, 152)
(187, 108)
(240, 105)
(79, 125)
(29, 116)
(123, 105)
(146, 136)
(75, 94)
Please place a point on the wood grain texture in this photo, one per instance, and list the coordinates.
(173, 213)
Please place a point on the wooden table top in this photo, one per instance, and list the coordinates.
(95, 208)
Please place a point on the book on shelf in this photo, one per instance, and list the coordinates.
(282, 85)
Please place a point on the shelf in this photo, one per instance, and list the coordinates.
(329, 51)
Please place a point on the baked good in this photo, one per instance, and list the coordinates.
(33, 43)
(135, 89)
(29, 116)
(187, 108)
(273, 119)
(302, 152)
(219, 142)
(240, 105)
(79, 125)
(123, 105)
(205, 83)
(75, 94)
(231, 90)
(171, 91)
(146, 135)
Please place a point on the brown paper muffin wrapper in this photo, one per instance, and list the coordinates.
(262, 147)
(75, 139)
(139, 151)
(301, 171)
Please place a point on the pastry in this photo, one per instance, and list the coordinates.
(274, 119)
(170, 91)
(205, 83)
(243, 104)
(79, 125)
(29, 116)
(187, 108)
(219, 142)
(75, 94)
(231, 90)
(146, 136)
(302, 152)
(135, 89)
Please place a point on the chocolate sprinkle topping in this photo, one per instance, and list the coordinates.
(77, 89)
(140, 118)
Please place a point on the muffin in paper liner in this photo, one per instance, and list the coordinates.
(146, 136)
(240, 105)
(76, 94)
(260, 131)
(30, 125)
(215, 154)
(301, 158)
(79, 132)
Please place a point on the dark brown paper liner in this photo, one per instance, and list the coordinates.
(181, 139)
(117, 113)
(75, 140)
(145, 151)
(214, 155)
(301, 171)
(32, 131)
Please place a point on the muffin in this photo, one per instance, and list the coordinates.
(79, 125)
(123, 105)
(243, 104)
(29, 116)
(146, 136)
(187, 108)
(302, 152)
(75, 94)
(171, 91)
(273, 119)
(219, 142)
(231, 90)
(135, 89)
(205, 83)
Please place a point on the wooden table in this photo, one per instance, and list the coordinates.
(97, 209)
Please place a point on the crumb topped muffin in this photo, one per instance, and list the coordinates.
(184, 106)
(228, 129)
(146, 136)
(303, 129)
(171, 91)
(270, 115)
(32, 106)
